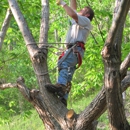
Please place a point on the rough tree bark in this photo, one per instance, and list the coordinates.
(52, 112)
(112, 80)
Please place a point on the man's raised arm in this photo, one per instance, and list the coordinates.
(73, 4)
(69, 10)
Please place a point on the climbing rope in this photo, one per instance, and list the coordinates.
(61, 60)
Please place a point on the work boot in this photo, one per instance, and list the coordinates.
(63, 100)
(58, 89)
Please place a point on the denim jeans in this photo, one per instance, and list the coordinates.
(68, 66)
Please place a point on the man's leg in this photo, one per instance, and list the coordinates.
(71, 71)
(60, 88)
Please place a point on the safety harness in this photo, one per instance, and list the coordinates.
(77, 44)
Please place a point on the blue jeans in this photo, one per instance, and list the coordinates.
(68, 67)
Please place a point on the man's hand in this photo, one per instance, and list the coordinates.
(60, 2)
(70, 11)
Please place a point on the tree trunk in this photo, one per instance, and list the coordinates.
(52, 112)
(112, 78)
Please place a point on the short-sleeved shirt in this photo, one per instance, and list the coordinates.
(78, 31)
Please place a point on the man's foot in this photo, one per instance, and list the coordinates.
(58, 89)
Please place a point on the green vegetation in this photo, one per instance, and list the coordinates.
(15, 112)
(24, 122)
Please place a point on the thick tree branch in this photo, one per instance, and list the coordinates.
(23, 89)
(98, 105)
(96, 108)
(35, 97)
(125, 82)
(52, 105)
(112, 78)
(115, 28)
(44, 23)
(27, 35)
(20, 85)
(5, 26)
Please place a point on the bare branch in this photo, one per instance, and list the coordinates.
(5, 26)
(23, 89)
(8, 85)
(125, 83)
(44, 23)
(20, 85)
(115, 28)
(27, 35)
(124, 66)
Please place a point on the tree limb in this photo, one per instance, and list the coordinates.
(5, 26)
(125, 82)
(23, 89)
(124, 66)
(20, 85)
(93, 111)
(115, 28)
(8, 85)
(98, 105)
(36, 99)
(27, 35)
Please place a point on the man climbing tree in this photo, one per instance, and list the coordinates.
(51, 111)
(75, 39)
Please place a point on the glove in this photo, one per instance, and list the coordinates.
(60, 2)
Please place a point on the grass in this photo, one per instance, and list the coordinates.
(33, 122)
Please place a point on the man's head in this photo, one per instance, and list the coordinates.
(88, 12)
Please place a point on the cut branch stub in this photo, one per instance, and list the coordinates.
(70, 114)
(39, 56)
(34, 93)
(105, 52)
(71, 117)
(20, 79)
